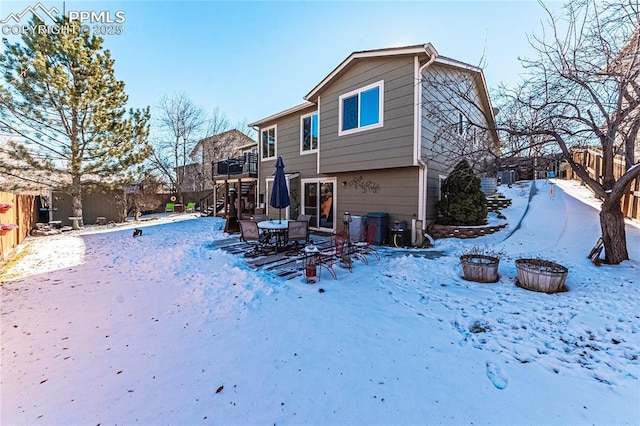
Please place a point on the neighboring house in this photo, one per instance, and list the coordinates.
(222, 163)
(229, 144)
(363, 140)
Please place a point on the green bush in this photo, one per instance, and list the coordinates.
(463, 202)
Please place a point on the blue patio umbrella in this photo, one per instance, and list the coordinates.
(279, 192)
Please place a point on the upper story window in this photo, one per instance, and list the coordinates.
(309, 133)
(361, 109)
(268, 142)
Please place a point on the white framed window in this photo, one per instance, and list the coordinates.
(361, 109)
(268, 143)
(309, 133)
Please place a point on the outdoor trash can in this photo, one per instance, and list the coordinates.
(381, 220)
(357, 227)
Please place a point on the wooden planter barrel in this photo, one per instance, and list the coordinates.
(479, 268)
(541, 275)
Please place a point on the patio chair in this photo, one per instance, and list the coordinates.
(365, 245)
(191, 207)
(349, 247)
(336, 253)
(307, 218)
(169, 207)
(326, 258)
(250, 234)
(296, 231)
(259, 217)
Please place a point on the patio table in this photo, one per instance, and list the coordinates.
(277, 229)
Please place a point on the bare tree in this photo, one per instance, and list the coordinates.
(217, 122)
(243, 126)
(461, 126)
(582, 88)
(180, 122)
(515, 145)
(142, 196)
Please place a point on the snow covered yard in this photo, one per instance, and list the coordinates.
(104, 328)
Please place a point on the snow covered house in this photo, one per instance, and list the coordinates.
(364, 140)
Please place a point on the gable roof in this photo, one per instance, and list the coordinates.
(628, 54)
(427, 49)
(429, 52)
(288, 111)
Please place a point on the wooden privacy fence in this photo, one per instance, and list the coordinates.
(591, 158)
(21, 213)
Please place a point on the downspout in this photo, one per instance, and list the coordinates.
(422, 184)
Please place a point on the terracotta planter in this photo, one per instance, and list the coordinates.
(480, 268)
(541, 275)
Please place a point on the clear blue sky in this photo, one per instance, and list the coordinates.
(254, 59)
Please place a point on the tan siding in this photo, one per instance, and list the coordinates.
(438, 157)
(288, 147)
(388, 146)
(393, 191)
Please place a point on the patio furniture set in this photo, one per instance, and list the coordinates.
(292, 238)
(179, 208)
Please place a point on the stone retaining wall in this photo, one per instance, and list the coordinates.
(494, 205)
(451, 231)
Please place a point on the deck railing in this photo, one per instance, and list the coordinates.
(245, 165)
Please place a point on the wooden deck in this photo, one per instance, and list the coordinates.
(290, 265)
(287, 264)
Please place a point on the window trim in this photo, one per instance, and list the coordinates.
(358, 92)
(320, 180)
(275, 143)
(302, 117)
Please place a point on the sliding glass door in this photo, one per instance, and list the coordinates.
(319, 202)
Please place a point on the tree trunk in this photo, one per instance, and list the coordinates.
(613, 232)
(76, 204)
(76, 197)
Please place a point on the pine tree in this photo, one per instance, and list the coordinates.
(463, 202)
(61, 98)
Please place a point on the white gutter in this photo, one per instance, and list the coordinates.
(422, 175)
